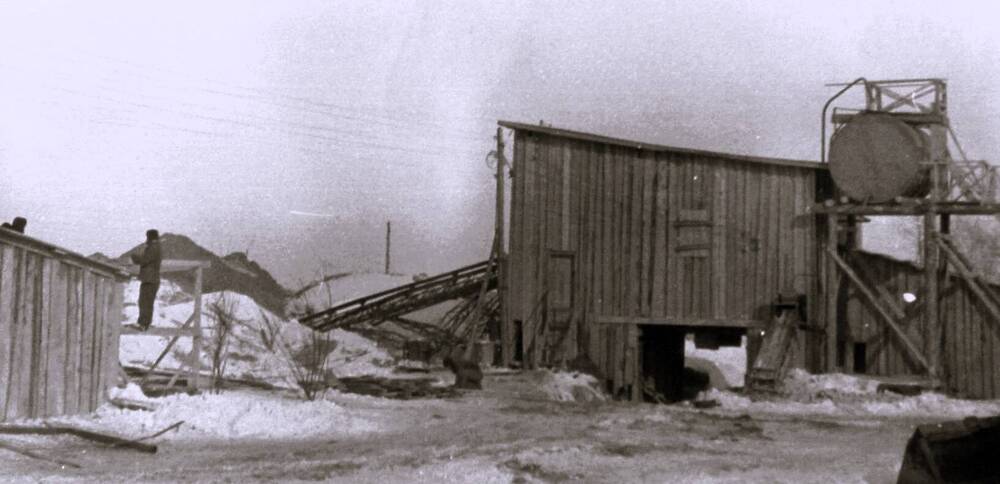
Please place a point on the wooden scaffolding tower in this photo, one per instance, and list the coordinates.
(943, 187)
(190, 328)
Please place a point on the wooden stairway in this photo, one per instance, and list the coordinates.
(771, 363)
(396, 302)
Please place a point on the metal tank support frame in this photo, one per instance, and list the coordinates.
(957, 187)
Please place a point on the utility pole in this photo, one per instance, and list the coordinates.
(388, 242)
(498, 236)
(498, 241)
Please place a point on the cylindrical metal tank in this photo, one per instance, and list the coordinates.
(876, 158)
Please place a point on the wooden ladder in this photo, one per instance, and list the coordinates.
(770, 365)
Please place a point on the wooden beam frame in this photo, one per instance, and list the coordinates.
(690, 322)
(175, 265)
(191, 327)
(877, 303)
(914, 208)
(971, 278)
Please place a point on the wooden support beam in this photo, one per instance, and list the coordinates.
(932, 330)
(915, 208)
(830, 291)
(196, 341)
(960, 257)
(874, 300)
(174, 265)
(166, 350)
(693, 322)
(889, 300)
(973, 281)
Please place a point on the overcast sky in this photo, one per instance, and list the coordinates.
(295, 129)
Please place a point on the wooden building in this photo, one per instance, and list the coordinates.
(618, 249)
(970, 345)
(59, 324)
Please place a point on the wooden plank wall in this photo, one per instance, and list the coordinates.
(58, 334)
(971, 346)
(620, 219)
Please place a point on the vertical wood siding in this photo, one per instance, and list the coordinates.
(653, 233)
(971, 346)
(58, 334)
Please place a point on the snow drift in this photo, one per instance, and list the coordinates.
(227, 415)
(258, 343)
(839, 394)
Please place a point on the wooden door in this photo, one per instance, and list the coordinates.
(696, 250)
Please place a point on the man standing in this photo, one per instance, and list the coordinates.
(149, 277)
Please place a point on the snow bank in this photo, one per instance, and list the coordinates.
(839, 394)
(356, 355)
(130, 392)
(802, 385)
(229, 415)
(725, 367)
(571, 387)
(250, 354)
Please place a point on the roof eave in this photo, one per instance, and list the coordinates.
(653, 147)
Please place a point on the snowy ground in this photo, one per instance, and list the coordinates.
(249, 356)
(535, 426)
(520, 428)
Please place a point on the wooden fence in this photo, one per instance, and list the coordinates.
(59, 324)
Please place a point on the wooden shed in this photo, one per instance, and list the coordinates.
(59, 324)
(618, 248)
(970, 346)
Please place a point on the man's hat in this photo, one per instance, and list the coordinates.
(152, 234)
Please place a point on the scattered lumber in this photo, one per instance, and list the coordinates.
(157, 434)
(111, 440)
(34, 455)
(395, 388)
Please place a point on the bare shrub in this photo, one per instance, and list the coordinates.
(269, 331)
(223, 310)
(308, 363)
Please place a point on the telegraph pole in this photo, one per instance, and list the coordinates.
(388, 242)
(498, 235)
(499, 256)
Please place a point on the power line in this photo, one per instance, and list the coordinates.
(236, 122)
(266, 96)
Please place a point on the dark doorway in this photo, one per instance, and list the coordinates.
(518, 356)
(860, 361)
(662, 362)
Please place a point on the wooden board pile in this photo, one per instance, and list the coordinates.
(396, 388)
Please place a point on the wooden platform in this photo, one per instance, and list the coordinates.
(686, 322)
(915, 208)
(159, 331)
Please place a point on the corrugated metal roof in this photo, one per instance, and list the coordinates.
(31, 243)
(565, 133)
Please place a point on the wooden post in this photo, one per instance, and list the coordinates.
(938, 151)
(944, 370)
(388, 242)
(932, 329)
(830, 291)
(877, 304)
(197, 339)
(498, 237)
